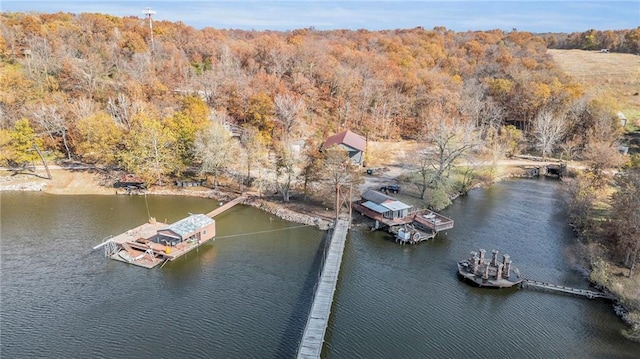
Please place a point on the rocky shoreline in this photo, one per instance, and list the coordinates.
(25, 187)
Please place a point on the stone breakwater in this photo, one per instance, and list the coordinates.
(254, 201)
(288, 215)
(26, 186)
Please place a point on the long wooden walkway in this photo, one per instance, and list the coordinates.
(313, 336)
(591, 294)
(226, 206)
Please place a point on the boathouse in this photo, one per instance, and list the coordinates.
(398, 217)
(153, 243)
(196, 227)
(352, 142)
(387, 207)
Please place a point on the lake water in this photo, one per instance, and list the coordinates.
(246, 295)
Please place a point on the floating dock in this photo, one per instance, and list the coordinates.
(153, 243)
(495, 274)
(491, 274)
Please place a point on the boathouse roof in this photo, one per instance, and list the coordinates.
(396, 205)
(347, 138)
(381, 203)
(189, 225)
(376, 197)
(375, 207)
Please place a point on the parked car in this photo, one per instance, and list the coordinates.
(393, 188)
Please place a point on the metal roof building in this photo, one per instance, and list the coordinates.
(194, 225)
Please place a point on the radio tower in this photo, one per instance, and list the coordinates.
(149, 13)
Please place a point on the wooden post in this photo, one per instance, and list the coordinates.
(338, 204)
(349, 203)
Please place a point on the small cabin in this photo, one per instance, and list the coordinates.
(196, 227)
(352, 142)
(384, 205)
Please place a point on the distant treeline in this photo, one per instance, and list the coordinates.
(613, 40)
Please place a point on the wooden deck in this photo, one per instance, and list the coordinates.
(138, 241)
(591, 294)
(427, 219)
(432, 220)
(226, 206)
(313, 336)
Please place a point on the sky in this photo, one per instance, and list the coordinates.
(534, 16)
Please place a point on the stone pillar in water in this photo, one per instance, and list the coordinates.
(473, 262)
(494, 259)
(481, 259)
(485, 274)
(499, 271)
(507, 266)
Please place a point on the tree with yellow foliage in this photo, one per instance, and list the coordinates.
(23, 147)
(99, 138)
(150, 150)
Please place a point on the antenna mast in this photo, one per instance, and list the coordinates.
(148, 12)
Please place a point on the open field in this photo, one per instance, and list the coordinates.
(613, 73)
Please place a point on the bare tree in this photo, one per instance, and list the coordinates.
(340, 171)
(450, 141)
(122, 109)
(254, 146)
(288, 109)
(84, 107)
(215, 150)
(52, 120)
(626, 217)
(548, 130)
(86, 75)
(40, 62)
(285, 162)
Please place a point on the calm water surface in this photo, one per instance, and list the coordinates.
(246, 296)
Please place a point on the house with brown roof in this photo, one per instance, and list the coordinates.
(350, 141)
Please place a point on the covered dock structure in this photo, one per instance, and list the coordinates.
(388, 212)
(153, 242)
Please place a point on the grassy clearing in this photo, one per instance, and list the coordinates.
(614, 74)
